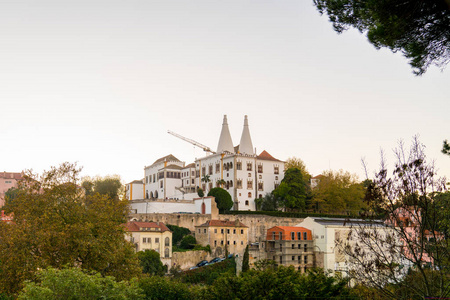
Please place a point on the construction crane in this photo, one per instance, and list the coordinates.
(205, 148)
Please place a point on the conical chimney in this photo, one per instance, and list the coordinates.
(225, 142)
(246, 145)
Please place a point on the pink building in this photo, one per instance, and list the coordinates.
(7, 181)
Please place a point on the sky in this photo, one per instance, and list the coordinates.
(99, 83)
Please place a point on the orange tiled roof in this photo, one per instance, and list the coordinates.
(135, 226)
(266, 156)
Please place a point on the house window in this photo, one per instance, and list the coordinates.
(305, 236)
(260, 186)
(293, 257)
(144, 240)
(234, 231)
(228, 242)
(305, 259)
(299, 246)
(167, 241)
(203, 170)
(217, 168)
(249, 184)
(166, 253)
(276, 185)
(276, 170)
(157, 240)
(299, 258)
(221, 242)
(215, 230)
(239, 183)
(199, 230)
(210, 169)
(234, 242)
(249, 194)
(242, 242)
(249, 166)
(221, 230)
(192, 181)
(246, 202)
(215, 243)
(292, 235)
(228, 231)
(299, 236)
(293, 246)
(273, 235)
(249, 174)
(242, 231)
(305, 248)
(281, 260)
(280, 234)
(260, 168)
(204, 230)
(238, 165)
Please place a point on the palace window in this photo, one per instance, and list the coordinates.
(239, 183)
(260, 168)
(239, 165)
(276, 169)
(249, 184)
(217, 168)
(292, 238)
(249, 166)
(249, 194)
(260, 186)
(210, 169)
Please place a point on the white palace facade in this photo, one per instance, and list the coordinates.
(237, 169)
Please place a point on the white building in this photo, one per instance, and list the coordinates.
(245, 175)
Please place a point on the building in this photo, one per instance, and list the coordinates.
(291, 246)
(238, 169)
(6, 218)
(153, 236)
(220, 234)
(7, 181)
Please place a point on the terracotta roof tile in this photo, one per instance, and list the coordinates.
(266, 156)
(136, 226)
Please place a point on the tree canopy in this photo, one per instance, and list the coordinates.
(446, 148)
(292, 192)
(419, 29)
(223, 199)
(151, 262)
(56, 224)
(109, 185)
(294, 162)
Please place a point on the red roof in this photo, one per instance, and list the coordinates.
(266, 156)
(221, 223)
(11, 175)
(135, 226)
(286, 232)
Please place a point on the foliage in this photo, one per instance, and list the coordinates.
(294, 162)
(283, 214)
(412, 200)
(110, 186)
(338, 192)
(10, 195)
(209, 274)
(73, 283)
(163, 288)
(178, 233)
(55, 225)
(292, 192)
(419, 29)
(223, 199)
(446, 148)
(245, 260)
(267, 203)
(200, 192)
(206, 179)
(188, 242)
(151, 262)
(280, 283)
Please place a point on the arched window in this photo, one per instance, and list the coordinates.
(203, 208)
(249, 194)
(156, 194)
(151, 195)
(246, 202)
(146, 195)
(167, 241)
(231, 183)
(166, 253)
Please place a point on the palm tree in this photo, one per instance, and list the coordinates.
(221, 182)
(206, 179)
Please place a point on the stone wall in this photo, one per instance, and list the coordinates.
(257, 224)
(189, 258)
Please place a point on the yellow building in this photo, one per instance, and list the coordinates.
(220, 234)
(153, 236)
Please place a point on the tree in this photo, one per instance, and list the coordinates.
(151, 262)
(294, 162)
(178, 233)
(245, 261)
(221, 182)
(200, 193)
(188, 242)
(10, 195)
(206, 179)
(73, 283)
(419, 29)
(109, 185)
(338, 192)
(267, 203)
(446, 148)
(56, 224)
(223, 199)
(292, 192)
(412, 247)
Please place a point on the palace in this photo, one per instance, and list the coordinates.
(237, 169)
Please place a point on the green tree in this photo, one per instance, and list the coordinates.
(188, 242)
(338, 192)
(245, 261)
(419, 29)
(73, 283)
(162, 288)
(206, 179)
(178, 233)
(223, 199)
(110, 186)
(200, 193)
(10, 195)
(151, 262)
(292, 192)
(294, 162)
(267, 203)
(55, 225)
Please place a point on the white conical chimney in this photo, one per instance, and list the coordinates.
(225, 142)
(246, 145)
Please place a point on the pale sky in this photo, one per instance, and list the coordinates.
(101, 82)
